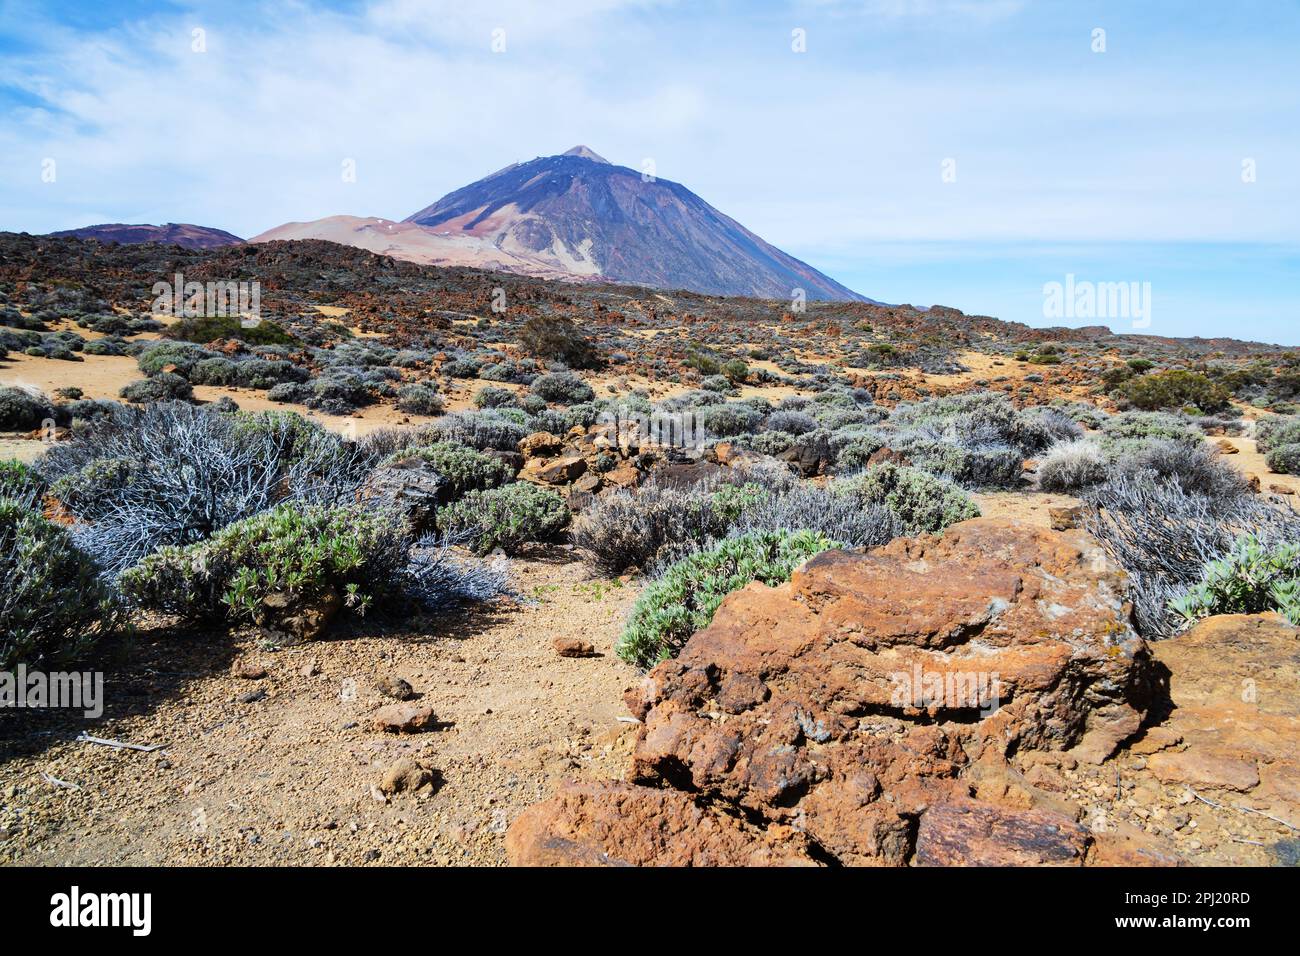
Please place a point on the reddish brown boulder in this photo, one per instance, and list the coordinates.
(1235, 688)
(622, 825)
(541, 445)
(851, 701)
(970, 833)
(558, 471)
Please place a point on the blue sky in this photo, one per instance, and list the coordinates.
(1117, 166)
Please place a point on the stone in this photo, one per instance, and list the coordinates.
(406, 775)
(394, 687)
(616, 824)
(557, 471)
(971, 833)
(541, 445)
(588, 484)
(402, 718)
(1234, 683)
(409, 486)
(875, 687)
(296, 618)
(1226, 447)
(573, 647)
(247, 670)
(1065, 517)
(623, 475)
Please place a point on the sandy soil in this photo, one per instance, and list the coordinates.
(287, 779)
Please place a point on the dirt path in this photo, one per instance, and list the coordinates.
(287, 780)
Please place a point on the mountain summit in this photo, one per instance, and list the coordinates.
(580, 213)
(579, 216)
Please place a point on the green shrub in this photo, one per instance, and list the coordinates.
(419, 399)
(184, 355)
(921, 502)
(53, 605)
(1285, 459)
(493, 397)
(726, 421)
(977, 466)
(1277, 430)
(1249, 579)
(19, 483)
(684, 599)
(563, 388)
(209, 329)
(556, 338)
(1129, 432)
(462, 468)
(735, 370)
(163, 387)
(1175, 389)
(507, 517)
(21, 410)
(269, 568)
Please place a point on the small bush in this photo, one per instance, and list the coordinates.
(920, 502)
(1163, 536)
(507, 517)
(1197, 468)
(684, 599)
(53, 605)
(1285, 459)
(1175, 389)
(1277, 430)
(726, 421)
(974, 465)
(183, 355)
(557, 339)
(463, 468)
(493, 397)
(563, 388)
(419, 399)
(22, 410)
(171, 473)
(269, 568)
(629, 529)
(1131, 431)
(1250, 579)
(19, 483)
(210, 328)
(163, 387)
(792, 423)
(1070, 467)
(479, 430)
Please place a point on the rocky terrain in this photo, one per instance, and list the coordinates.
(617, 647)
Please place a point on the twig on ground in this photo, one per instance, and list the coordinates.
(86, 738)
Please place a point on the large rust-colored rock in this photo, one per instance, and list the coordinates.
(970, 833)
(557, 471)
(622, 825)
(850, 701)
(1235, 688)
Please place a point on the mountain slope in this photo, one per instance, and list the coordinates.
(173, 233)
(580, 213)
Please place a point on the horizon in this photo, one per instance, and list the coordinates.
(1057, 160)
